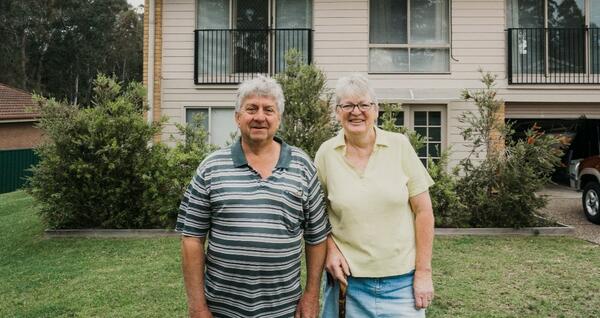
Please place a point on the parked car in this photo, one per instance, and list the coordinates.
(585, 176)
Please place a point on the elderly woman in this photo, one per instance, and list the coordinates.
(379, 250)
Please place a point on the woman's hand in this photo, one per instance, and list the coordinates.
(423, 288)
(335, 263)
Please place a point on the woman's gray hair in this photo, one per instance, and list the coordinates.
(260, 86)
(355, 85)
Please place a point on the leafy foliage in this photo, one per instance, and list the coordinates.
(500, 190)
(99, 168)
(307, 121)
(56, 48)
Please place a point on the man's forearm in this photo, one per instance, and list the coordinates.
(193, 260)
(315, 259)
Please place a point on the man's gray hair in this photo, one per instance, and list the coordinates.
(355, 85)
(260, 86)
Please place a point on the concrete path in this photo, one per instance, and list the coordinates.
(564, 206)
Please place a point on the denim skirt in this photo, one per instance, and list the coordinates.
(389, 297)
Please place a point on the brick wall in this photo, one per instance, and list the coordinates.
(19, 135)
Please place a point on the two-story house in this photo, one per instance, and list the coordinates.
(420, 53)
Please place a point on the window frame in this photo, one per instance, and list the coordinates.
(409, 115)
(408, 45)
(209, 119)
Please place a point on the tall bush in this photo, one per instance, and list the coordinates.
(307, 121)
(100, 169)
(499, 191)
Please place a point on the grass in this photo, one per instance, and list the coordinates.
(474, 276)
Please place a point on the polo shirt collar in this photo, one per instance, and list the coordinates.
(239, 158)
(381, 139)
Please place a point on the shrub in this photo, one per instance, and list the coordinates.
(499, 191)
(100, 169)
(307, 121)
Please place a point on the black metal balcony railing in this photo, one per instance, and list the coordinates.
(230, 56)
(554, 56)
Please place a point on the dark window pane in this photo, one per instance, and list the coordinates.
(434, 149)
(424, 162)
(435, 134)
(423, 151)
(435, 118)
(420, 118)
(421, 131)
(400, 119)
(388, 22)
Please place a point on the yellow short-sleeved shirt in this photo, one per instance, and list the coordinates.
(371, 218)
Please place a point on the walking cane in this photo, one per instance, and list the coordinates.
(342, 301)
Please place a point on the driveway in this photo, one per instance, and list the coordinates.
(564, 206)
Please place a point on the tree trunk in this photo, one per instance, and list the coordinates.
(24, 78)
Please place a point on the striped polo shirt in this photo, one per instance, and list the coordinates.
(256, 228)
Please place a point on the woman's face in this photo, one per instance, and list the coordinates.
(360, 119)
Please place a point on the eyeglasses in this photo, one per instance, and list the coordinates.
(350, 107)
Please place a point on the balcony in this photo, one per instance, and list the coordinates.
(554, 56)
(230, 56)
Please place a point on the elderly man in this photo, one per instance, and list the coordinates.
(257, 199)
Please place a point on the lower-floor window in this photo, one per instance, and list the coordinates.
(219, 123)
(427, 121)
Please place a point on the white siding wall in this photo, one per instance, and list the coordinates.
(178, 88)
(341, 41)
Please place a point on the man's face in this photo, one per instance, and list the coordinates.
(258, 119)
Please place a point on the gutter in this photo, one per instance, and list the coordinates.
(151, 41)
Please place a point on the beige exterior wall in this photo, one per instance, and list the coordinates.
(19, 135)
(341, 41)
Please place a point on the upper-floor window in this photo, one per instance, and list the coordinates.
(409, 36)
(554, 41)
(236, 39)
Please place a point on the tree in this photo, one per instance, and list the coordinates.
(307, 121)
(499, 190)
(56, 48)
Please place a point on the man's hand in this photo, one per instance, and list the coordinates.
(335, 263)
(423, 288)
(200, 313)
(308, 306)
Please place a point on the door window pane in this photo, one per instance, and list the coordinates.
(429, 60)
(428, 125)
(429, 21)
(435, 118)
(399, 118)
(435, 134)
(434, 149)
(420, 118)
(388, 22)
(388, 60)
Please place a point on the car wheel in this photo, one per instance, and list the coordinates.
(591, 202)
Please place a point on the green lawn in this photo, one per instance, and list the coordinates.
(474, 277)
